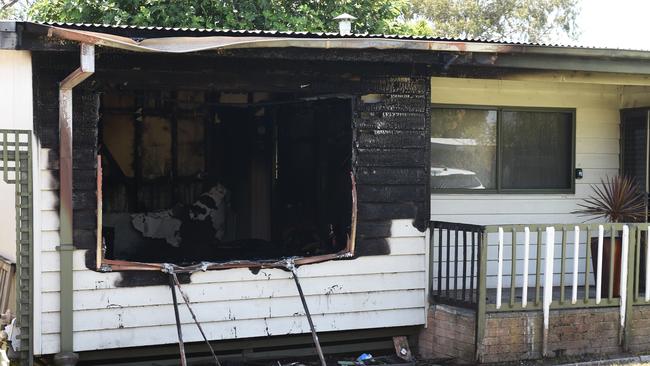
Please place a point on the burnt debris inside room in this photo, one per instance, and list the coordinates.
(205, 176)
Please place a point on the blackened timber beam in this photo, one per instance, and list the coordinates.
(212, 62)
(242, 81)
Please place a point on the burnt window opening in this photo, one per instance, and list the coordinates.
(194, 176)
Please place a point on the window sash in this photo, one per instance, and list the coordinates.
(499, 189)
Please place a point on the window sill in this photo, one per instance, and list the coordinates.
(110, 265)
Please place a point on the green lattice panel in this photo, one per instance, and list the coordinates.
(16, 169)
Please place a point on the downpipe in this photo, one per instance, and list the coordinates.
(66, 356)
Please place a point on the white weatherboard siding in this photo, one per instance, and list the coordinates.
(369, 292)
(597, 153)
(597, 147)
(15, 113)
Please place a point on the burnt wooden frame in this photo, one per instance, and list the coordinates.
(139, 112)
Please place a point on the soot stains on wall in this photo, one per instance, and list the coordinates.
(389, 156)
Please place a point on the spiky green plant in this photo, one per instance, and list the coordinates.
(616, 199)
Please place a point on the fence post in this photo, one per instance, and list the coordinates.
(482, 293)
(631, 276)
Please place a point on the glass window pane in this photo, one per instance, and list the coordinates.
(463, 148)
(536, 150)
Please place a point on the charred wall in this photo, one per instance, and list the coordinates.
(391, 132)
(389, 116)
(48, 70)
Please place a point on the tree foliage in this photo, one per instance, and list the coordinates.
(518, 20)
(7, 9)
(374, 16)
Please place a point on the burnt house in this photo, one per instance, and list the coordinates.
(416, 186)
(220, 161)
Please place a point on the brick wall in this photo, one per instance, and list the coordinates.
(584, 331)
(640, 329)
(450, 333)
(512, 336)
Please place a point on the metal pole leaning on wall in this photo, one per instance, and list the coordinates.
(66, 247)
(292, 267)
(181, 344)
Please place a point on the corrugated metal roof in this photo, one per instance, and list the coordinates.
(183, 40)
(173, 31)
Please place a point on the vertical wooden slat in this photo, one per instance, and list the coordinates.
(576, 253)
(513, 267)
(599, 261)
(464, 264)
(637, 262)
(471, 271)
(623, 280)
(456, 264)
(482, 292)
(448, 267)
(500, 269)
(626, 334)
(587, 263)
(439, 262)
(548, 284)
(612, 258)
(538, 266)
(647, 265)
(432, 246)
(524, 286)
(562, 264)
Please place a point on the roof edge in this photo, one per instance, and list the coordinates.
(277, 39)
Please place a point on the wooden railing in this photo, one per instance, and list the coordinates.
(593, 265)
(457, 249)
(589, 266)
